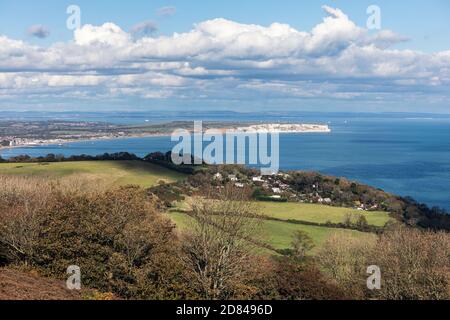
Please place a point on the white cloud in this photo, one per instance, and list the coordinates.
(220, 58)
(107, 34)
(335, 12)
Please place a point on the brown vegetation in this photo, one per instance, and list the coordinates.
(415, 264)
(219, 248)
(15, 284)
(117, 238)
(128, 249)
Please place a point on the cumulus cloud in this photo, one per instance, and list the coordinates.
(166, 11)
(38, 31)
(219, 59)
(107, 34)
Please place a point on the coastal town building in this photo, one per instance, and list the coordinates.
(218, 177)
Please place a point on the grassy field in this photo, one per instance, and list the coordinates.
(280, 234)
(114, 172)
(318, 213)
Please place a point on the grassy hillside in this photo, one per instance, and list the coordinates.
(280, 234)
(114, 172)
(318, 213)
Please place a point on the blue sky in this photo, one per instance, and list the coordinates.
(403, 69)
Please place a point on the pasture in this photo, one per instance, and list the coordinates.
(114, 173)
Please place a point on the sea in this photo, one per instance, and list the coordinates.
(405, 154)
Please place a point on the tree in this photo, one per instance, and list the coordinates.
(294, 281)
(301, 244)
(219, 247)
(345, 259)
(361, 223)
(117, 237)
(415, 264)
(348, 219)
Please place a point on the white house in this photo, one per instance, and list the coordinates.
(276, 190)
(258, 179)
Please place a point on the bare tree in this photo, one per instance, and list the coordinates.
(222, 239)
(345, 258)
(415, 264)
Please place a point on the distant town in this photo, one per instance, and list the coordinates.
(286, 128)
(35, 133)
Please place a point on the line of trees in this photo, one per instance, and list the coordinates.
(161, 159)
(119, 156)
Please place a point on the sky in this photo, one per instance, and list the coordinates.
(244, 55)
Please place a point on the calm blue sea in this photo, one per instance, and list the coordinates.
(407, 155)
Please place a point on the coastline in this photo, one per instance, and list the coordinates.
(243, 130)
(64, 142)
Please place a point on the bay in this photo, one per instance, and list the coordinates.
(408, 155)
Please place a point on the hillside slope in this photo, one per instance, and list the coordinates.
(113, 172)
(16, 285)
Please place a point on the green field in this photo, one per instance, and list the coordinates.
(315, 213)
(318, 213)
(279, 234)
(114, 172)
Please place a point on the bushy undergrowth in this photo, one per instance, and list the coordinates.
(116, 237)
(125, 246)
(414, 264)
